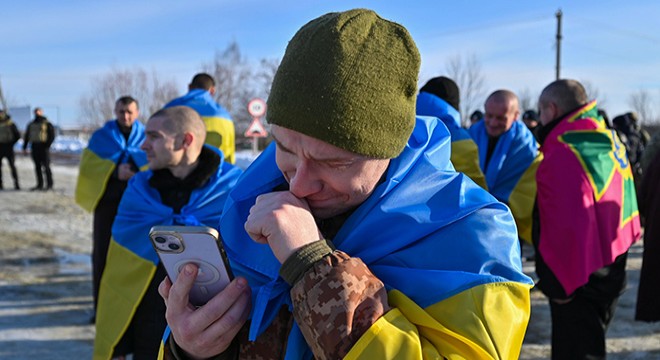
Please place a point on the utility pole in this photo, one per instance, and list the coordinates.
(3, 102)
(558, 14)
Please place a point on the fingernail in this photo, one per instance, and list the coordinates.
(241, 283)
(188, 269)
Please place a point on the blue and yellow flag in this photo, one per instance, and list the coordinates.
(219, 126)
(511, 171)
(464, 152)
(107, 148)
(429, 233)
(131, 261)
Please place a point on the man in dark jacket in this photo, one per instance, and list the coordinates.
(41, 133)
(9, 135)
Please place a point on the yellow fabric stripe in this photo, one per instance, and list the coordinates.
(220, 133)
(93, 176)
(465, 157)
(125, 280)
(521, 200)
(484, 322)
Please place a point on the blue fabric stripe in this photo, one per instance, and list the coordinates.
(431, 105)
(202, 101)
(109, 143)
(515, 151)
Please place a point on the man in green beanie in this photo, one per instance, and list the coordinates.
(352, 236)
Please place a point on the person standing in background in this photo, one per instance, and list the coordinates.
(41, 134)
(112, 157)
(585, 220)
(219, 126)
(509, 157)
(9, 136)
(440, 97)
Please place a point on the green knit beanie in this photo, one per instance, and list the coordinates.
(349, 79)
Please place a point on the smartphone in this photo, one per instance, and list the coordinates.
(180, 245)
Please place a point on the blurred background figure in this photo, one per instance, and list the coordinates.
(41, 134)
(531, 120)
(440, 97)
(634, 138)
(9, 136)
(648, 296)
(476, 116)
(220, 130)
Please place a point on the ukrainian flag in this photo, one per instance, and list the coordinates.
(132, 261)
(511, 171)
(464, 152)
(106, 149)
(219, 126)
(446, 250)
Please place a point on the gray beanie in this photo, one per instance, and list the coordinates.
(349, 79)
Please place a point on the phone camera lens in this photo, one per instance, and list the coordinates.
(174, 246)
(160, 240)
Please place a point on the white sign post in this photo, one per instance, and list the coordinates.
(256, 108)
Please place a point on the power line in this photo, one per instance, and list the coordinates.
(491, 25)
(621, 31)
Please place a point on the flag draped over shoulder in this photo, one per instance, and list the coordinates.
(586, 198)
(457, 236)
(219, 126)
(131, 261)
(464, 152)
(107, 148)
(511, 171)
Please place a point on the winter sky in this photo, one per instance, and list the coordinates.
(51, 50)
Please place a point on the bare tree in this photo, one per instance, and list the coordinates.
(640, 101)
(266, 73)
(466, 72)
(151, 93)
(594, 94)
(234, 83)
(527, 100)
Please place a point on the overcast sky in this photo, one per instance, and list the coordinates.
(51, 50)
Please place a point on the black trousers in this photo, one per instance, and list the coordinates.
(9, 155)
(41, 158)
(104, 216)
(579, 326)
(144, 334)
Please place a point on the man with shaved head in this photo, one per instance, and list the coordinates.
(187, 184)
(508, 156)
(586, 218)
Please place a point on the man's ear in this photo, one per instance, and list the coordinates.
(187, 139)
(212, 90)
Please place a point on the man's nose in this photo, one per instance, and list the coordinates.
(304, 182)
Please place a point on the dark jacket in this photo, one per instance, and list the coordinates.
(9, 135)
(39, 131)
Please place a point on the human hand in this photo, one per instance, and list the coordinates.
(124, 172)
(283, 221)
(208, 330)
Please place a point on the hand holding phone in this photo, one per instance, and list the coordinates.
(177, 246)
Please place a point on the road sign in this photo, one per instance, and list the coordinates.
(257, 108)
(256, 129)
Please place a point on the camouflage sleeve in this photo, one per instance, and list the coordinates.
(335, 302)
